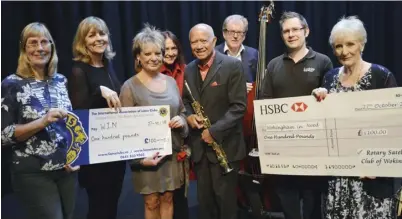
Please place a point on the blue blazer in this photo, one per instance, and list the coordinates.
(249, 58)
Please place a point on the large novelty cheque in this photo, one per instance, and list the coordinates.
(347, 134)
(104, 135)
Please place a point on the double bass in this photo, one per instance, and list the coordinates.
(250, 176)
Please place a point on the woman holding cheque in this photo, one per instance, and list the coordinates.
(93, 84)
(350, 197)
(149, 87)
(34, 104)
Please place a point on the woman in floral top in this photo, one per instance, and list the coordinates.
(356, 197)
(34, 103)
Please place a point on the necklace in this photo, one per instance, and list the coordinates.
(354, 77)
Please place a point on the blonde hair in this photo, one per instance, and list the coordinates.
(80, 51)
(149, 34)
(24, 68)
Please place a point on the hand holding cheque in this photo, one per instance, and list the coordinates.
(347, 134)
(104, 135)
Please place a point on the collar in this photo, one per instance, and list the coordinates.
(177, 69)
(209, 63)
(311, 54)
(226, 48)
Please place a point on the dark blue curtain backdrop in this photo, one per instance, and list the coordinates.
(382, 20)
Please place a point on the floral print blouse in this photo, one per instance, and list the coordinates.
(24, 100)
(350, 197)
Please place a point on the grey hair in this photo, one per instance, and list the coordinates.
(289, 15)
(149, 34)
(235, 17)
(349, 25)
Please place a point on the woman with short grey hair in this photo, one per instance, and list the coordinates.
(349, 26)
(353, 197)
(149, 87)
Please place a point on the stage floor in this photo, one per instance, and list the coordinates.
(10, 207)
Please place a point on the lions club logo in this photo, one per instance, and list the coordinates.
(163, 111)
(78, 137)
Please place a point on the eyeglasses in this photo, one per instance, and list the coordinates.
(232, 33)
(294, 30)
(35, 44)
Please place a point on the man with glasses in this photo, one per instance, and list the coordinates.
(296, 73)
(234, 32)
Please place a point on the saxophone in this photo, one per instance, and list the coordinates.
(220, 153)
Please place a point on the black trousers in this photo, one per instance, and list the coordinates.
(46, 195)
(103, 183)
(180, 204)
(293, 189)
(6, 154)
(216, 193)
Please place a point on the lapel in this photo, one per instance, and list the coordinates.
(220, 48)
(212, 71)
(193, 81)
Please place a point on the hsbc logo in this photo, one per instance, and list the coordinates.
(274, 109)
(299, 107)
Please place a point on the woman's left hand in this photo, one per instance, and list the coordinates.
(176, 122)
(70, 168)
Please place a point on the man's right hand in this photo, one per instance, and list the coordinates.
(195, 121)
(249, 86)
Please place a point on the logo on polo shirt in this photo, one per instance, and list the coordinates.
(309, 69)
(299, 107)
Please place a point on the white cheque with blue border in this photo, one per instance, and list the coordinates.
(347, 134)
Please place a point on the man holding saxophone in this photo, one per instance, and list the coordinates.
(216, 82)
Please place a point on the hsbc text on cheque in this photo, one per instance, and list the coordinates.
(347, 134)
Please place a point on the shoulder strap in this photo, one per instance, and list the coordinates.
(112, 75)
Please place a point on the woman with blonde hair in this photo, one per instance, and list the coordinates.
(93, 84)
(149, 87)
(34, 103)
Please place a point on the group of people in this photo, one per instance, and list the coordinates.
(36, 99)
